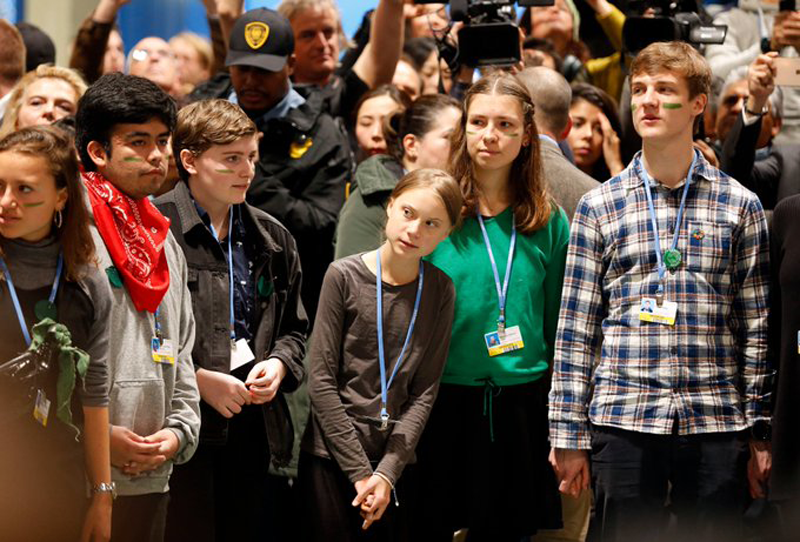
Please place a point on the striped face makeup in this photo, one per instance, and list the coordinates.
(221, 174)
(29, 197)
(494, 128)
(661, 106)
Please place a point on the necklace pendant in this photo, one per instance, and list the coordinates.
(384, 421)
(672, 259)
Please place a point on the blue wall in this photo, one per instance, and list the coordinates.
(165, 18)
(12, 10)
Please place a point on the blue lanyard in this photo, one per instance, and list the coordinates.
(501, 294)
(662, 269)
(230, 267)
(17, 307)
(381, 357)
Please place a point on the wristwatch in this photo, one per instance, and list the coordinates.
(764, 111)
(761, 430)
(106, 488)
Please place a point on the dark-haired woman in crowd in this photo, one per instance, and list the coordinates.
(417, 138)
(46, 256)
(370, 112)
(483, 456)
(594, 138)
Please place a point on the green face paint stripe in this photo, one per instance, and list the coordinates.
(634, 106)
(35, 204)
(227, 171)
(471, 133)
(673, 106)
(515, 134)
(132, 159)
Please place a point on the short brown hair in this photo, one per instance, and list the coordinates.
(529, 198)
(206, 123)
(58, 150)
(678, 57)
(12, 54)
(441, 183)
(43, 71)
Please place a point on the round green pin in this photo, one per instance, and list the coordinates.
(45, 309)
(672, 259)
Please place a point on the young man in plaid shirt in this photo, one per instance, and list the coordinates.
(660, 365)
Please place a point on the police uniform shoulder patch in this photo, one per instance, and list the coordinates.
(298, 148)
(256, 34)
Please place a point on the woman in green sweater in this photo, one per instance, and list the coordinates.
(485, 446)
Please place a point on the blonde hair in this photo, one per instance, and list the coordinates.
(440, 183)
(44, 71)
(199, 44)
(206, 123)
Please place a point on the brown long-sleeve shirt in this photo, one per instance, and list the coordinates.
(344, 373)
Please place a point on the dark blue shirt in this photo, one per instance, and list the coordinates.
(243, 282)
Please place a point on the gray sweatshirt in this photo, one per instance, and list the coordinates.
(145, 396)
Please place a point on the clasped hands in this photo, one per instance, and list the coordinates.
(373, 497)
(227, 394)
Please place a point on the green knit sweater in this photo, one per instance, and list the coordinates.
(534, 296)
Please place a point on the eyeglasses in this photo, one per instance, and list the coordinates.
(140, 55)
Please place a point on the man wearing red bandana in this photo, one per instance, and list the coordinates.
(123, 132)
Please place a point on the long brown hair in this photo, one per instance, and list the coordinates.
(529, 198)
(58, 151)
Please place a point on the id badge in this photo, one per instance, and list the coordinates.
(241, 354)
(509, 341)
(649, 311)
(41, 408)
(163, 351)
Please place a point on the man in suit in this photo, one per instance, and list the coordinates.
(551, 96)
(771, 170)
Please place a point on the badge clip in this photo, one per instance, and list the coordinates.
(384, 420)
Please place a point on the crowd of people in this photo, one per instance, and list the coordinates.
(282, 284)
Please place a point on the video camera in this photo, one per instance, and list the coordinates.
(674, 20)
(490, 35)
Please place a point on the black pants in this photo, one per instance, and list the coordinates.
(702, 479)
(482, 464)
(329, 516)
(222, 494)
(139, 518)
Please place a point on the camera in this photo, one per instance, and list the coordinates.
(674, 20)
(490, 35)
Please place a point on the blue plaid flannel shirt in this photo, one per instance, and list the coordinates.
(707, 373)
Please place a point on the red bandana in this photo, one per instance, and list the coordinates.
(134, 233)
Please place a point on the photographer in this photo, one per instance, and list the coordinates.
(770, 170)
(743, 43)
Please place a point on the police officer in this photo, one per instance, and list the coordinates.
(304, 156)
